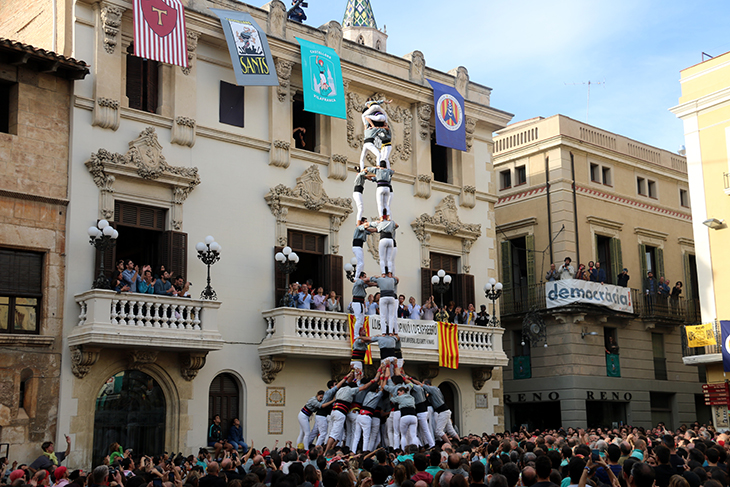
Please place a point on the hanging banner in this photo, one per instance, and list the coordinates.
(322, 79)
(569, 291)
(366, 324)
(159, 31)
(249, 49)
(700, 335)
(448, 345)
(725, 328)
(449, 107)
(613, 365)
(413, 333)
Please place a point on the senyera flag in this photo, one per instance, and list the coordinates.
(448, 345)
(159, 31)
(449, 107)
(366, 324)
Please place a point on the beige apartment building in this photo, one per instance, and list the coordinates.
(568, 189)
(36, 89)
(166, 170)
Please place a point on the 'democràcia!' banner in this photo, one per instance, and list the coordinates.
(568, 291)
(249, 49)
(322, 79)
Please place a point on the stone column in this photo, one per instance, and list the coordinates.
(184, 88)
(108, 59)
(280, 121)
(422, 150)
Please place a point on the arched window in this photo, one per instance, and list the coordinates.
(378, 46)
(224, 399)
(130, 410)
(361, 40)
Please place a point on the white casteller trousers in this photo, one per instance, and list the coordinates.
(382, 198)
(304, 430)
(443, 424)
(369, 146)
(360, 256)
(387, 256)
(425, 429)
(408, 427)
(357, 197)
(389, 315)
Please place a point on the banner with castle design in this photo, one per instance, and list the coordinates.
(324, 91)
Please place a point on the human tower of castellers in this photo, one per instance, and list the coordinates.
(391, 409)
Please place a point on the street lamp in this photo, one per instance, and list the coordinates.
(103, 236)
(441, 282)
(287, 262)
(209, 252)
(493, 291)
(350, 270)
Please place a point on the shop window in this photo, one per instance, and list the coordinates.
(652, 189)
(520, 175)
(505, 179)
(304, 125)
(230, 110)
(224, 399)
(20, 291)
(641, 186)
(142, 82)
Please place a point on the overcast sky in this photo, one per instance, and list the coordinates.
(531, 53)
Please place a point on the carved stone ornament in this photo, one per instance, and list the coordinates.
(422, 188)
(276, 22)
(479, 376)
(398, 116)
(461, 81)
(333, 36)
(191, 44)
(445, 220)
(418, 66)
(428, 371)
(191, 363)
(270, 367)
(470, 127)
(111, 21)
(468, 197)
(283, 72)
(139, 358)
(82, 359)
(424, 111)
(143, 160)
(338, 167)
(183, 132)
(106, 113)
(339, 369)
(279, 154)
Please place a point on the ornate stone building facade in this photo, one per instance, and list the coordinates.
(156, 160)
(36, 88)
(568, 189)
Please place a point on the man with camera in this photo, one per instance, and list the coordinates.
(296, 13)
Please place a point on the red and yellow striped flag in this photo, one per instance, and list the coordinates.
(366, 324)
(448, 345)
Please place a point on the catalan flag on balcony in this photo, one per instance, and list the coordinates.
(700, 335)
(366, 324)
(448, 334)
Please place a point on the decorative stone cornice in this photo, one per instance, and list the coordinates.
(422, 186)
(111, 21)
(191, 44)
(604, 222)
(183, 131)
(424, 111)
(470, 127)
(106, 113)
(270, 367)
(279, 154)
(139, 358)
(479, 376)
(82, 358)
(283, 72)
(337, 167)
(468, 197)
(445, 221)
(276, 21)
(333, 35)
(417, 68)
(649, 233)
(191, 363)
(308, 194)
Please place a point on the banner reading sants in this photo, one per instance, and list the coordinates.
(569, 291)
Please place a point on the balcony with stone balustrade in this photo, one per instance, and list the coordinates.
(292, 332)
(144, 324)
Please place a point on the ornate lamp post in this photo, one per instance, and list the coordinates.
(350, 270)
(441, 283)
(287, 262)
(209, 252)
(493, 291)
(103, 236)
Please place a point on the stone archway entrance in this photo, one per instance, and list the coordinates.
(451, 398)
(130, 410)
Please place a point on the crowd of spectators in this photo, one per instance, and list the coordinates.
(127, 277)
(307, 296)
(619, 457)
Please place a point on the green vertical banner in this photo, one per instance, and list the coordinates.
(521, 367)
(324, 91)
(613, 367)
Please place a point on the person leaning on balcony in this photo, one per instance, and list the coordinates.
(601, 273)
(182, 287)
(163, 286)
(566, 270)
(147, 285)
(623, 278)
(131, 276)
(552, 274)
(676, 291)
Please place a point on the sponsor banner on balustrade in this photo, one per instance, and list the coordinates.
(570, 291)
(412, 333)
(249, 49)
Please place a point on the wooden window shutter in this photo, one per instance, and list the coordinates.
(617, 264)
(22, 272)
(279, 280)
(531, 274)
(174, 253)
(135, 88)
(507, 270)
(151, 85)
(642, 263)
(468, 290)
(333, 269)
(140, 216)
(110, 257)
(426, 286)
(688, 291)
(659, 257)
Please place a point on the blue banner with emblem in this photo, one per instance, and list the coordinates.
(449, 110)
(725, 327)
(322, 80)
(249, 49)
